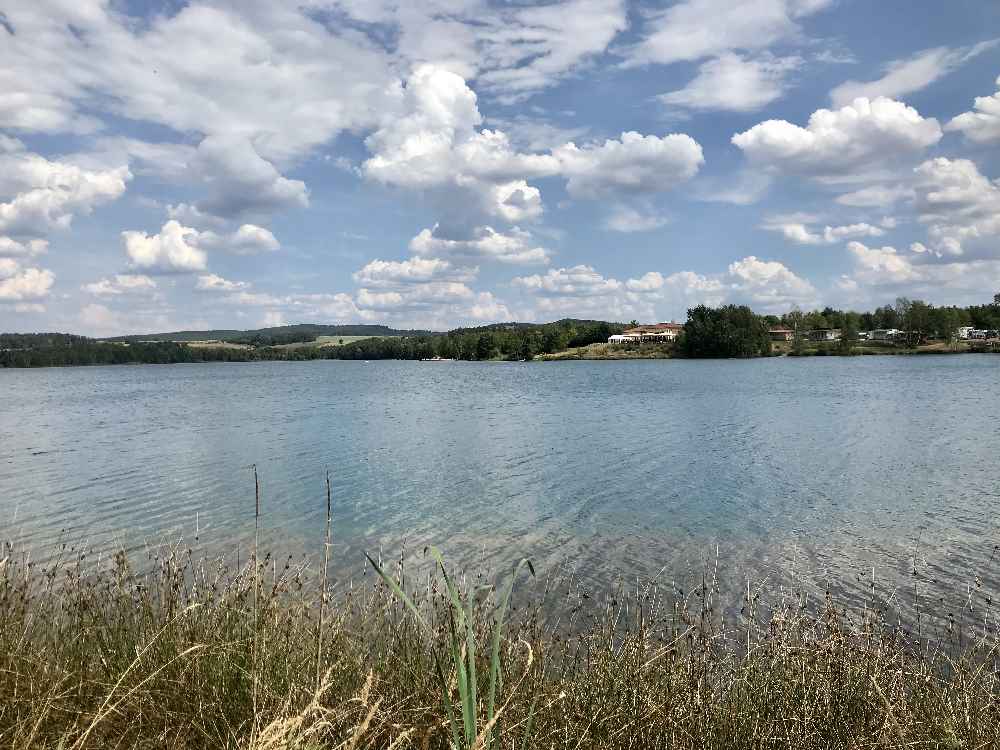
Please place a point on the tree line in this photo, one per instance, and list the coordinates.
(513, 341)
(727, 331)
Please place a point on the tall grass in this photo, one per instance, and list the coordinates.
(184, 652)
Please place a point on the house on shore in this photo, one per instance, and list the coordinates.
(824, 334)
(781, 334)
(648, 334)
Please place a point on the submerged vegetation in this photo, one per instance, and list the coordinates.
(185, 652)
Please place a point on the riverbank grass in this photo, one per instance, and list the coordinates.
(211, 653)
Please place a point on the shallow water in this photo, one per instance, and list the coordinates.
(820, 468)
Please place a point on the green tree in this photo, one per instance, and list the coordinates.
(730, 331)
(849, 322)
(484, 347)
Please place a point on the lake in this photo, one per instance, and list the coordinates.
(813, 469)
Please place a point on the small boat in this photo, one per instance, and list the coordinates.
(436, 359)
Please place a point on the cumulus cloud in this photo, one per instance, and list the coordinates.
(581, 291)
(910, 74)
(122, 283)
(241, 183)
(28, 284)
(515, 247)
(768, 285)
(173, 249)
(880, 265)
(635, 163)
(249, 239)
(801, 234)
(959, 205)
(734, 83)
(856, 138)
(431, 141)
(982, 125)
(418, 295)
(44, 195)
(389, 273)
(696, 29)
(578, 281)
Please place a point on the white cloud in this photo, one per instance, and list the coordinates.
(627, 219)
(417, 295)
(122, 283)
(241, 183)
(249, 239)
(8, 267)
(578, 281)
(515, 201)
(959, 205)
(696, 29)
(174, 248)
(651, 281)
(513, 50)
(801, 234)
(733, 83)
(26, 285)
(45, 195)
(854, 139)
(430, 141)
(190, 215)
(515, 247)
(388, 273)
(876, 196)
(262, 70)
(11, 248)
(634, 164)
(911, 74)
(211, 282)
(533, 47)
(983, 124)
(881, 265)
(768, 286)
(581, 291)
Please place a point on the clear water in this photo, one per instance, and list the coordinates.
(818, 468)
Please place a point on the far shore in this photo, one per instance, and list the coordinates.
(616, 352)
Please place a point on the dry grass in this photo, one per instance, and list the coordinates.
(207, 653)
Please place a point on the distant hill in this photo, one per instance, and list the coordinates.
(273, 335)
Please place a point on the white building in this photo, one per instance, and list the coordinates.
(885, 334)
(658, 332)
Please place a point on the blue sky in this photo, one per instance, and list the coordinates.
(235, 164)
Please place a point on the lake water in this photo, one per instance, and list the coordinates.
(818, 468)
